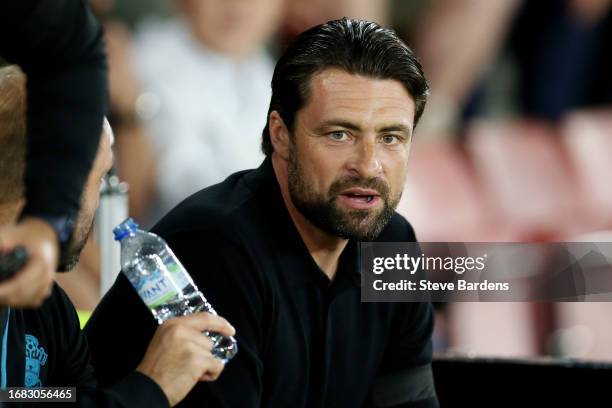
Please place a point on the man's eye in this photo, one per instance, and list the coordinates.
(338, 136)
(390, 139)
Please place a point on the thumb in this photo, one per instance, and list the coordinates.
(7, 240)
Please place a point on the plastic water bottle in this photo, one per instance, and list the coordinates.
(163, 283)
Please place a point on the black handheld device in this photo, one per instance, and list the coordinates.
(12, 262)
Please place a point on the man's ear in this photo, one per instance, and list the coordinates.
(279, 135)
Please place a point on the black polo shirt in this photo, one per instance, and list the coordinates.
(302, 341)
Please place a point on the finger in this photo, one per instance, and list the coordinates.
(44, 292)
(7, 243)
(179, 336)
(19, 285)
(28, 290)
(200, 339)
(214, 367)
(205, 321)
(28, 287)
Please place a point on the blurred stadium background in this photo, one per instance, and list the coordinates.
(515, 144)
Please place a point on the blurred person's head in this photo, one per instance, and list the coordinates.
(232, 27)
(300, 15)
(346, 96)
(13, 142)
(90, 199)
(101, 8)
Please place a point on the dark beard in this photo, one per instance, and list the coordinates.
(69, 258)
(324, 212)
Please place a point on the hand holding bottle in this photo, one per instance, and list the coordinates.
(179, 356)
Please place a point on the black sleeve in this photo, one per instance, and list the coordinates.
(223, 272)
(134, 390)
(58, 44)
(405, 378)
(74, 369)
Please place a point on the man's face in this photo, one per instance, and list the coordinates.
(349, 153)
(89, 201)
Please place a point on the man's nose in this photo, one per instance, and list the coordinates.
(366, 161)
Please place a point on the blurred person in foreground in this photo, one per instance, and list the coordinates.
(276, 249)
(59, 46)
(45, 346)
(204, 83)
(134, 161)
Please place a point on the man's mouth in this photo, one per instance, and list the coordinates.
(360, 198)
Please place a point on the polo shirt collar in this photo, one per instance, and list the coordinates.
(301, 269)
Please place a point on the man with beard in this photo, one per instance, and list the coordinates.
(58, 43)
(44, 346)
(276, 249)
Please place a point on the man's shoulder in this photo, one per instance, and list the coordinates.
(398, 229)
(224, 209)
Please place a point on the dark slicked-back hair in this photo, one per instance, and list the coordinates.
(355, 46)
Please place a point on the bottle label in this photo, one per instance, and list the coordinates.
(153, 285)
(155, 292)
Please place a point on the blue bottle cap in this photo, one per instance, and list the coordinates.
(124, 229)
